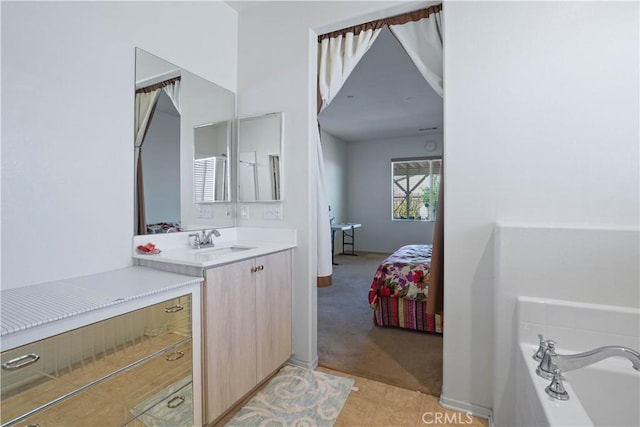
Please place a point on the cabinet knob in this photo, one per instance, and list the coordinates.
(261, 267)
(254, 269)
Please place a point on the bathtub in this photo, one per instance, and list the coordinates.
(606, 393)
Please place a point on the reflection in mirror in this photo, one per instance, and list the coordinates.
(210, 163)
(259, 158)
(171, 104)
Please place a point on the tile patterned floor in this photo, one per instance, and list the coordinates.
(375, 404)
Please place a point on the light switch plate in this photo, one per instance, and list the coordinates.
(206, 211)
(272, 212)
(244, 211)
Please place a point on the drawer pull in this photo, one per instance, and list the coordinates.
(175, 402)
(20, 362)
(174, 356)
(174, 309)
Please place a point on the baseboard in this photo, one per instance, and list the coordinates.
(307, 365)
(475, 410)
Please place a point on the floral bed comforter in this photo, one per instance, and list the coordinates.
(404, 274)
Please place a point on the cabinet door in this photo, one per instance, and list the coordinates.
(230, 336)
(273, 311)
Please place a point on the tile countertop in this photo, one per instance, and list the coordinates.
(34, 312)
(175, 247)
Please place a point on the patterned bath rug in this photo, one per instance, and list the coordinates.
(296, 397)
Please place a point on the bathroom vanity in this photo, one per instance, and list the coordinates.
(178, 339)
(117, 348)
(247, 297)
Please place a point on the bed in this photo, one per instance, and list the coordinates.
(400, 288)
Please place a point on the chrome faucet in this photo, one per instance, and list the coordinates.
(542, 346)
(569, 362)
(196, 241)
(553, 365)
(206, 240)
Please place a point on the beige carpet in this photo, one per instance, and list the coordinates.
(349, 342)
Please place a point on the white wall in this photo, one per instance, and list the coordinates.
(67, 123)
(369, 193)
(541, 127)
(277, 72)
(580, 264)
(334, 151)
(359, 190)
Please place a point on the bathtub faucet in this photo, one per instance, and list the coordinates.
(569, 362)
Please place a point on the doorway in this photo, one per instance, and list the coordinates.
(385, 110)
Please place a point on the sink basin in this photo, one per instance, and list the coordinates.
(208, 254)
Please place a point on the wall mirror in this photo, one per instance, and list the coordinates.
(212, 143)
(260, 158)
(180, 119)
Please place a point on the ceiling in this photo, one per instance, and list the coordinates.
(384, 97)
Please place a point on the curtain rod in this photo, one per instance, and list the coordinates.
(402, 18)
(158, 85)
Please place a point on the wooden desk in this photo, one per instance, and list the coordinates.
(348, 237)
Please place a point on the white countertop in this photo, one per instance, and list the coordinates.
(44, 304)
(175, 248)
(187, 256)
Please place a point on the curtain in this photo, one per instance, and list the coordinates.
(435, 300)
(422, 40)
(145, 101)
(337, 57)
(173, 92)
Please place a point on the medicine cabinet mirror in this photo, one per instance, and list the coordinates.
(260, 158)
(211, 178)
(182, 123)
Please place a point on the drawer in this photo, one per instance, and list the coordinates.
(154, 389)
(40, 372)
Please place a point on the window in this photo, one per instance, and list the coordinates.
(415, 188)
(209, 179)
